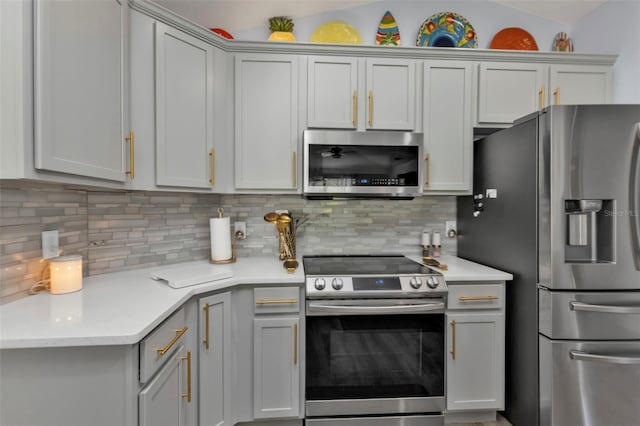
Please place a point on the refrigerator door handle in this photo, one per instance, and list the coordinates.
(604, 309)
(608, 359)
(634, 200)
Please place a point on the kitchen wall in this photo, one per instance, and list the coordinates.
(116, 231)
(619, 19)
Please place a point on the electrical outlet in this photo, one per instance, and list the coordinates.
(240, 227)
(450, 228)
(49, 244)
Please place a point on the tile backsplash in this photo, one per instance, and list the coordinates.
(115, 231)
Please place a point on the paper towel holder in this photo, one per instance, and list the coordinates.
(233, 257)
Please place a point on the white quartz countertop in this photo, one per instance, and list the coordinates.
(119, 308)
(122, 308)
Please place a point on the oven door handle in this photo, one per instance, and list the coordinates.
(316, 309)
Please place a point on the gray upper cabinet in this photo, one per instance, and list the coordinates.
(390, 94)
(266, 122)
(185, 156)
(448, 127)
(332, 92)
(580, 84)
(78, 87)
(362, 94)
(507, 91)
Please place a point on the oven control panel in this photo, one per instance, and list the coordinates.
(337, 286)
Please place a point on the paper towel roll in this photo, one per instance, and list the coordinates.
(220, 238)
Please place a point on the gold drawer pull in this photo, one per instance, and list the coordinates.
(295, 343)
(179, 334)
(477, 298)
(556, 94)
(453, 339)
(354, 120)
(428, 161)
(132, 156)
(188, 394)
(277, 302)
(212, 159)
(370, 107)
(541, 92)
(206, 325)
(294, 169)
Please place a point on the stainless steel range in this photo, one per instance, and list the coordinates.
(374, 341)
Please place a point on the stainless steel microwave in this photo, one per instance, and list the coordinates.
(342, 163)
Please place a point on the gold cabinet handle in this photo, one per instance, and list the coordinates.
(453, 339)
(179, 334)
(295, 343)
(294, 168)
(556, 94)
(370, 107)
(428, 161)
(541, 92)
(477, 298)
(276, 301)
(354, 120)
(132, 154)
(212, 159)
(188, 394)
(205, 308)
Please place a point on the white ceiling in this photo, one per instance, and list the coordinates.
(246, 14)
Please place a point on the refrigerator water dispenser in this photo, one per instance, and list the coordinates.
(590, 236)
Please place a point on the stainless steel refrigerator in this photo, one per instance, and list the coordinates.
(556, 202)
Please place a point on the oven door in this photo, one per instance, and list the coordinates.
(374, 356)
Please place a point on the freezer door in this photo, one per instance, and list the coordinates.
(588, 198)
(589, 383)
(589, 315)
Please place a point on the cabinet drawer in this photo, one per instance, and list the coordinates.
(475, 296)
(158, 346)
(271, 300)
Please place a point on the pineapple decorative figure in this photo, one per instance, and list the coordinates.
(281, 29)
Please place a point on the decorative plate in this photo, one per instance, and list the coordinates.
(562, 43)
(513, 38)
(447, 29)
(388, 33)
(336, 32)
(222, 33)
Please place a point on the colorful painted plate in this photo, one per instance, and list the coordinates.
(513, 38)
(336, 32)
(388, 33)
(447, 29)
(222, 33)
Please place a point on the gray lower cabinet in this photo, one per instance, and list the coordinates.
(475, 342)
(215, 360)
(161, 401)
(276, 374)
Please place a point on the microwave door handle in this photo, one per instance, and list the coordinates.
(318, 308)
(608, 359)
(634, 197)
(604, 309)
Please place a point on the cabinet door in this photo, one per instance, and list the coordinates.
(475, 361)
(579, 84)
(215, 360)
(79, 87)
(266, 121)
(448, 127)
(162, 401)
(184, 109)
(276, 370)
(332, 92)
(507, 91)
(391, 94)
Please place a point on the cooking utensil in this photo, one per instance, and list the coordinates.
(271, 217)
(291, 265)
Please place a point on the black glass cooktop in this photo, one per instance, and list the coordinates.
(353, 265)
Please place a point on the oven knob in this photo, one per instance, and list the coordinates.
(432, 282)
(415, 282)
(319, 284)
(337, 283)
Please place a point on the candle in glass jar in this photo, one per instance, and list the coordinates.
(426, 238)
(436, 238)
